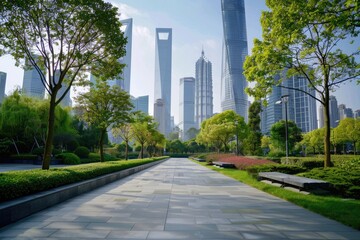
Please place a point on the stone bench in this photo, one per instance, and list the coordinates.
(295, 181)
(224, 164)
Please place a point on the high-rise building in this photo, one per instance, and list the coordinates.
(32, 84)
(163, 55)
(187, 106)
(159, 114)
(349, 113)
(321, 116)
(66, 101)
(203, 90)
(341, 109)
(2, 86)
(141, 104)
(334, 112)
(357, 114)
(233, 82)
(301, 106)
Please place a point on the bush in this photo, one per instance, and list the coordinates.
(276, 153)
(306, 162)
(82, 152)
(14, 184)
(178, 155)
(346, 182)
(69, 158)
(288, 169)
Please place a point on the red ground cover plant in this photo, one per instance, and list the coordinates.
(240, 162)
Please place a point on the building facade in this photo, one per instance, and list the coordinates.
(66, 101)
(203, 90)
(233, 82)
(187, 106)
(160, 114)
(141, 104)
(2, 86)
(163, 56)
(32, 84)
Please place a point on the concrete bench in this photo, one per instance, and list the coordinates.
(296, 181)
(224, 164)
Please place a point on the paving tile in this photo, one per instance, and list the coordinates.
(76, 234)
(128, 235)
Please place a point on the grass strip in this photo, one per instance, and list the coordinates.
(15, 184)
(346, 211)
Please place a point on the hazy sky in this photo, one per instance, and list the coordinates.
(196, 24)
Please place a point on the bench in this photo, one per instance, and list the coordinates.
(296, 181)
(224, 164)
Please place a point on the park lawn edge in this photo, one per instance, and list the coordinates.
(15, 184)
(346, 211)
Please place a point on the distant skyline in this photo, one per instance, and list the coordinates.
(196, 25)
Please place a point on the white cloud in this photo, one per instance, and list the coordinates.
(126, 11)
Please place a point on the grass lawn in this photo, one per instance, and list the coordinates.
(346, 211)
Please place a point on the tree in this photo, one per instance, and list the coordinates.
(278, 136)
(124, 131)
(64, 36)
(191, 133)
(303, 38)
(104, 106)
(253, 140)
(349, 130)
(155, 143)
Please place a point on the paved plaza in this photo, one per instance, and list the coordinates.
(177, 199)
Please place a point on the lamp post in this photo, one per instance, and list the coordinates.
(285, 99)
(237, 137)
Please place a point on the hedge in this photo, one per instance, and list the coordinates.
(82, 152)
(306, 162)
(69, 158)
(289, 169)
(14, 184)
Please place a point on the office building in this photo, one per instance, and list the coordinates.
(357, 114)
(342, 109)
(2, 86)
(203, 90)
(160, 114)
(334, 112)
(187, 106)
(321, 116)
(233, 82)
(141, 104)
(32, 83)
(66, 101)
(163, 56)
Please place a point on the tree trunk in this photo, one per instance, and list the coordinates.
(101, 144)
(142, 151)
(327, 145)
(50, 134)
(126, 150)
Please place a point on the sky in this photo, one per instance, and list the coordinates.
(196, 25)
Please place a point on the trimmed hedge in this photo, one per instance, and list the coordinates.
(69, 158)
(346, 182)
(289, 169)
(306, 162)
(82, 152)
(14, 184)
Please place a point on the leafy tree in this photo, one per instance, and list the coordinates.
(191, 133)
(155, 143)
(253, 140)
(314, 140)
(88, 135)
(65, 36)
(303, 38)
(124, 131)
(349, 130)
(278, 136)
(176, 146)
(105, 106)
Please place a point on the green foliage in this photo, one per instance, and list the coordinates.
(23, 157)
(278, 136)
(253, 140)
(289, 169)
(69, 158)
(15, 184)
(345, 181)
(306, 162)
(276, 153)
(348, 130)
(82, 152)
(5, 147)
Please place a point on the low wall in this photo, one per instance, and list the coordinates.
(17, 209)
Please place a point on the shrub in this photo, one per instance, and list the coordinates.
(82, 152)
(289, 169)
(346, 182)
(69, 158)
(306, 162)
(276, 153)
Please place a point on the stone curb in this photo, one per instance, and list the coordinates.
(17, 209)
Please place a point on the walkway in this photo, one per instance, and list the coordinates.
(177, 199)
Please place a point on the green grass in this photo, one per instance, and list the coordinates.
(15, 184)
(346, 211)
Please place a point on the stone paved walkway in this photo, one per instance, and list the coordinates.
(177, 199)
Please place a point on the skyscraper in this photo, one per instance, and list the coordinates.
(159, 114)
(334, 112)
(233, 82)
(141, 104)
(66, 101)
(2, 86)
(203, 90)
(357, 114)
(163, 55)
(32, 84)
(187, 106)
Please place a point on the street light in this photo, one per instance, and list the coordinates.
(285, 99)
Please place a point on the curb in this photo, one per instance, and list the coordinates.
(17, 209)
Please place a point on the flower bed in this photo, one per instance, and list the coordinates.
(240, 162)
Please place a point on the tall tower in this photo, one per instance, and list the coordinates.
(187, 102)
(334, 112)
(203, 90)
(2, 86)
(163, 54)
(233, 82)
(66, 101)
(32, 84)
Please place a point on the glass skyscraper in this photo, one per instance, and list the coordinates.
(66, 101)
(2, 86)
(32, 84)
(203, 90)
(187, 102)
(163, 55)
(141, 104)
(233, 82)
